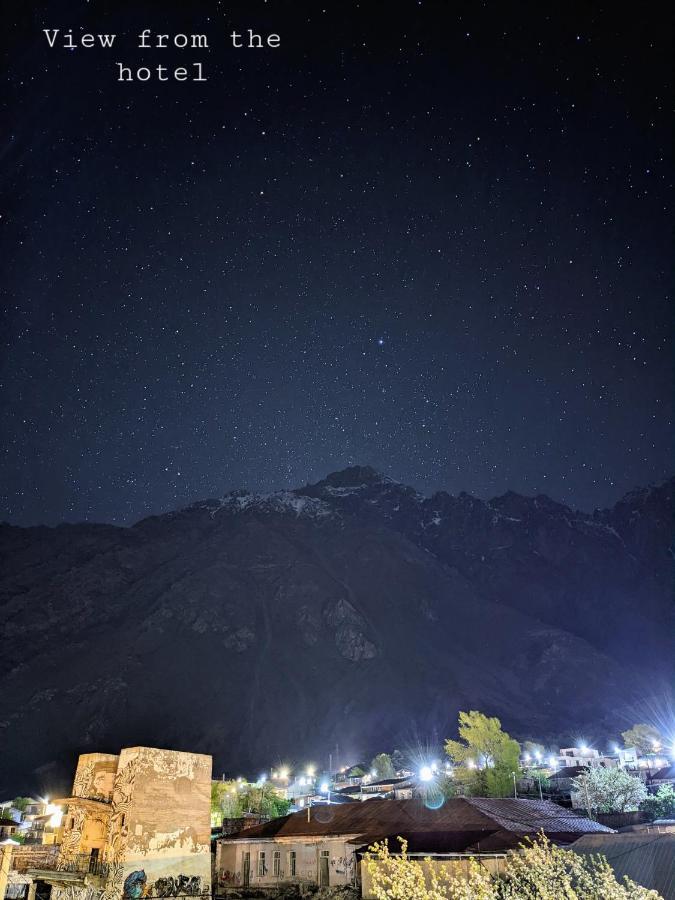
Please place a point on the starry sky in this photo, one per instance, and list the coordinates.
(428, 236)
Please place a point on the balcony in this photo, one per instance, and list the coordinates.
(80, 869)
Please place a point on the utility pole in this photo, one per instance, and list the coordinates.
(515, 789)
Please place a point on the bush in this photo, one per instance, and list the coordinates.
(538, 871)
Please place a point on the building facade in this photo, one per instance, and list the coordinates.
(136, 825)
(323, 845)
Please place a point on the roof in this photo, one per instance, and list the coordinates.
(379, 819)
(646, 858)
(568, 772)
(4, 821)
(395, 779)
(667, 773)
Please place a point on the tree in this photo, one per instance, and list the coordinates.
(642, 737)
(231, 799)
(660, 805)
(609, 790)
(383, 766)
(492, 751)
(536, 751)
(537, 870)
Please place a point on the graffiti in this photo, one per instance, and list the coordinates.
(76, 892)
(173, 886)
(345, 864)
(134, 884)
(118, 832)
(72, 836)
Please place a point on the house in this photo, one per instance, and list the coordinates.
(136, 824)
(394, 788)
(8, 828)
(323, 845)
(665, 775)
(647, 858)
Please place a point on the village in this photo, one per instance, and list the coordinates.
(149, 822)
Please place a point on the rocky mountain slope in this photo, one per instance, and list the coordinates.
(352, 612)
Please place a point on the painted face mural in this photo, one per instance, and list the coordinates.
(134, 884)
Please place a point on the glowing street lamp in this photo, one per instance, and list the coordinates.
(426, 773)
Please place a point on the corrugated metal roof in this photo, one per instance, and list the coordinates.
(649, 859)
(386, 817)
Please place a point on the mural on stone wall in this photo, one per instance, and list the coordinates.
(157, 834)
(94, 776)
(72, 836)
(118, 834)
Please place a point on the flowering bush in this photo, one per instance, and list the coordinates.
(538, 871)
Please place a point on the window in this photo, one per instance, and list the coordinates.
(276, 863)
(292, 863)
(262, 865)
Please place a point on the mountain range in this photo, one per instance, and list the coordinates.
(349, 616)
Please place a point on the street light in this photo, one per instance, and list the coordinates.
(426, 773)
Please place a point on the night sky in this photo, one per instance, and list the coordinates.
(432, 237)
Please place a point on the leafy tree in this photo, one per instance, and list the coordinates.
(21, 803)
(231, 799)
(609, 790)
(494, 753)
(535, 750)
(660, 805)
(398, 760)
(383, 766)
(355, 772)
(537, 871)
(642, 737)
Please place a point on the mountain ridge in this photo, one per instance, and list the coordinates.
(354, 610)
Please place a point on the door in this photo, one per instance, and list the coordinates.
(93, 861)
(246, 870)
(324, 870)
